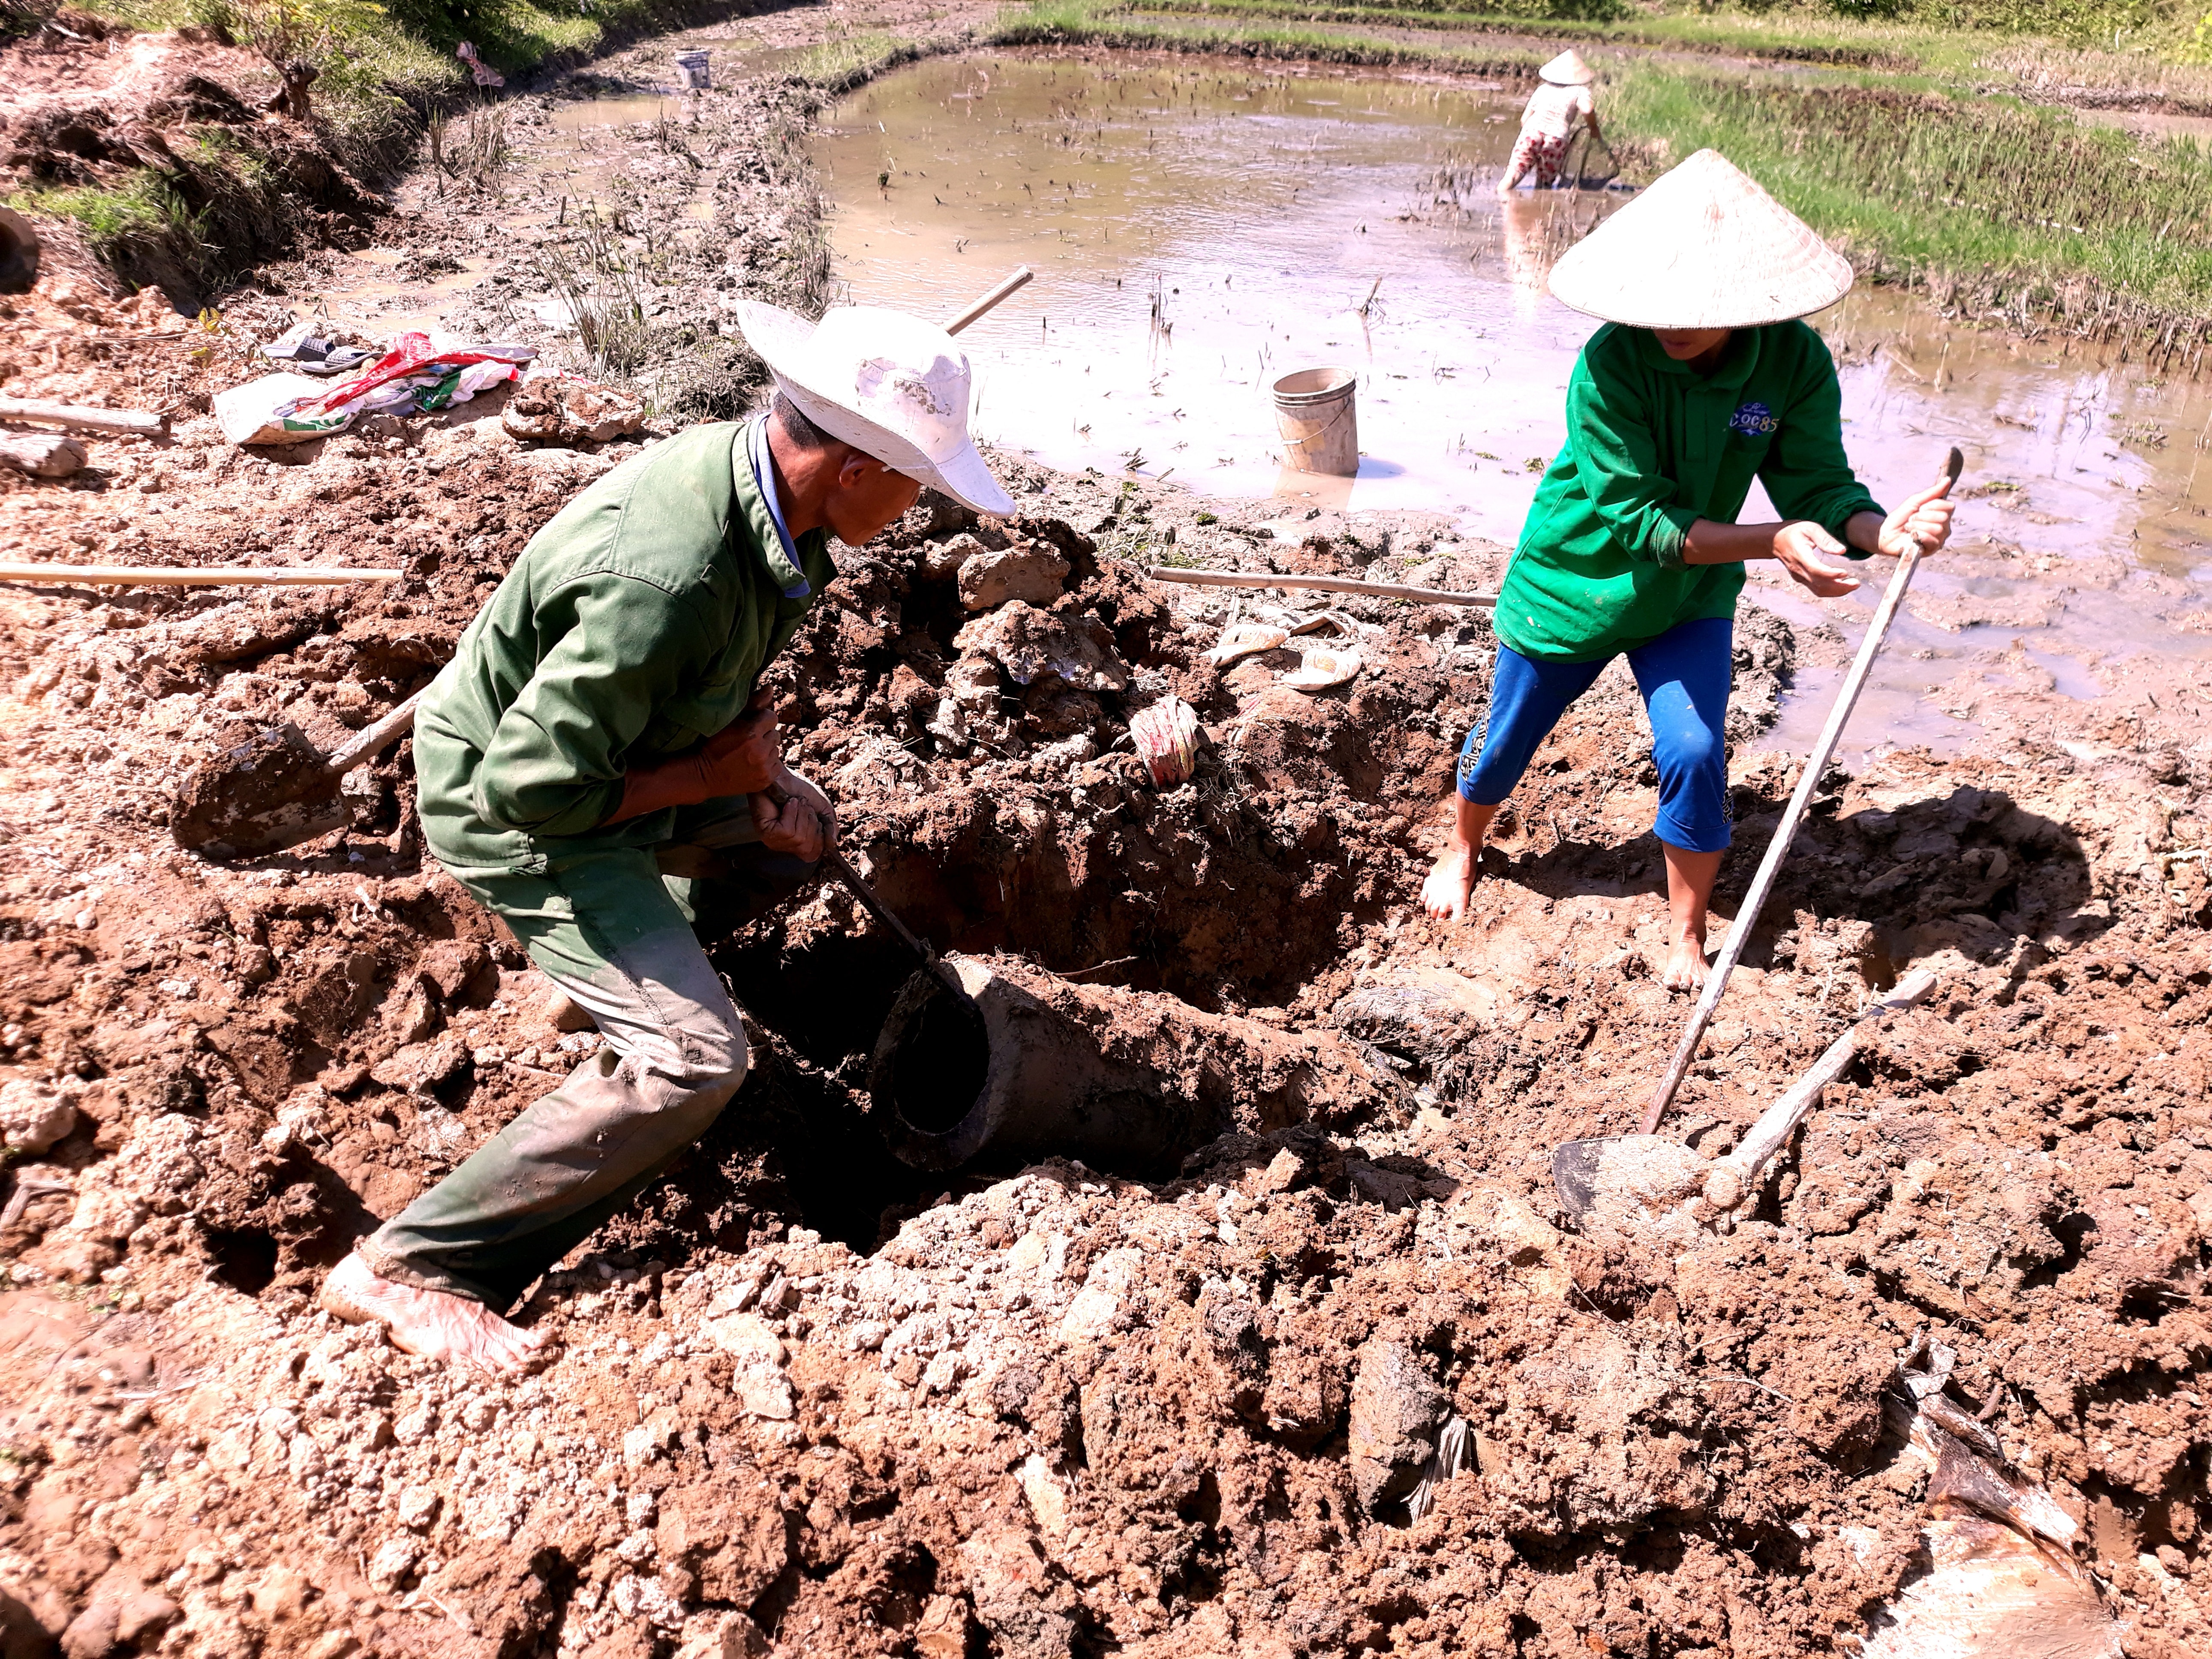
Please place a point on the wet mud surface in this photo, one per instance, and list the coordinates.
(809, 1399)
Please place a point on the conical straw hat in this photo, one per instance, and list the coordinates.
(1703, 247)
(1567, 69)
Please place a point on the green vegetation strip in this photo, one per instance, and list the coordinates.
(1078, 22)
(1997, 208)
(1603, 22)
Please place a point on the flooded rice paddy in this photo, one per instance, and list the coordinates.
(1199, 232)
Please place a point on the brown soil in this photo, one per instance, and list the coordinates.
(92, 111)
(809, 1401)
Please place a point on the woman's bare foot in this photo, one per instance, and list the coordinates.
(1690, 878)
(1444, 894)
(431, 1323)
(1685, 962)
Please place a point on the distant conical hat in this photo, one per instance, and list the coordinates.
(1567, 69)
(1703, 247)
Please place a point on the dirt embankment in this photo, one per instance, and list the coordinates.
(193, 178)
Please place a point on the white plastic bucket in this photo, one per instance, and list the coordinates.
(692, 73)
(1320, 426)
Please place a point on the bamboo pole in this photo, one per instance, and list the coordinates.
(1021, 276)
(213, 575)
(1323, 584)
(124, 422)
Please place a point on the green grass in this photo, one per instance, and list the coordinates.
(142, 205)
(846, 61)
(2001, 207)
(1077, 22)
(2073, 46)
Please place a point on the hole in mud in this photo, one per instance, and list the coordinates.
(939, 1065)
(246, 1261)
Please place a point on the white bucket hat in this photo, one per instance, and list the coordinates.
(1703, 247)
(890, 384)
(1567, 69)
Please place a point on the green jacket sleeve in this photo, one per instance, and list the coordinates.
(554, 765)
(1617, 464)
(1805, 472)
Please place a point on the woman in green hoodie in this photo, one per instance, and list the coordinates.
(1702, 380)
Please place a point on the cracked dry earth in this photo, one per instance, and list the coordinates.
(1338, 1379)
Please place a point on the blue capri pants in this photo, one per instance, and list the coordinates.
(1684, 676)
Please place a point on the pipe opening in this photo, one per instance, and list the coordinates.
(940, 1063)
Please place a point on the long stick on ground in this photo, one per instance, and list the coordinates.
(124, 422)
(1747, 917)
(213, 575)
(1160, 573)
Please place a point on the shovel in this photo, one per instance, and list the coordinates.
(278, 790)
(1746, 918)
(1642, 1177)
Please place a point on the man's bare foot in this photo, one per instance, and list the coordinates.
(1686, 964)
(1444, 894)
(431, 1323)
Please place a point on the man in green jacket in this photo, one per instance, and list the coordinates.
(1702, 380)
(597, 767)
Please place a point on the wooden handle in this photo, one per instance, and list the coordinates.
(1020, 279)
(215, 575)
(1320, 584)
(123, 422)
(1747, 917)
(370, 741)
(1733, 1175)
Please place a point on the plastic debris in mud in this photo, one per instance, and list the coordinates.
(2002, 1579)
(486, 76)
(310, 353)
(1324, 666)
(412, 378)
(1245, 640)
(1166, 736)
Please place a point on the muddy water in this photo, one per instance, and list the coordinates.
(1199, 232)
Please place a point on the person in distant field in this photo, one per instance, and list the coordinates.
(598, 767)
(1702, 380)
(1554, 110)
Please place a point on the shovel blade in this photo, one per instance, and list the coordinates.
(1574, 1165)
(1632, 1179)
(267, 787)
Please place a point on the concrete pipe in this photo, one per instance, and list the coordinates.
(1128, 1081)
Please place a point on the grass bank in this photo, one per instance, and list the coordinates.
(1084, 22)
(2000, 210)
(220, 190)
(2168, 66)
